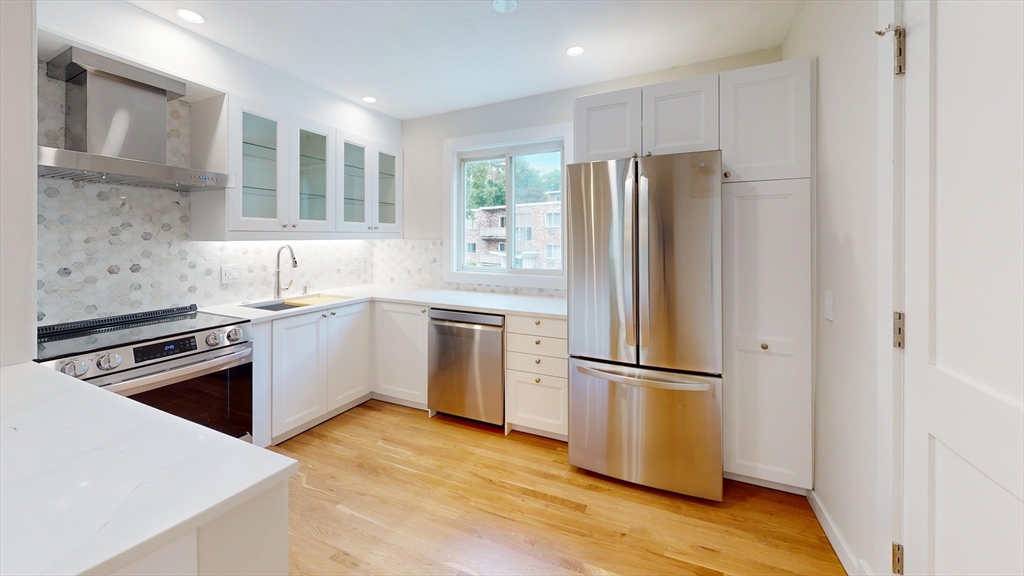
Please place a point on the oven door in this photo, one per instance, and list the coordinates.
(213, 389)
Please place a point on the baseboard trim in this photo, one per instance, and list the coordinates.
(766, 484)
(842, 550)
(399, 401)
(538, 432)
(319, 420)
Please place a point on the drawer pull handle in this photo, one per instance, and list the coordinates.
(537, 322)
(537, 380)
(537, 342)
(537, 361)
(764, 346)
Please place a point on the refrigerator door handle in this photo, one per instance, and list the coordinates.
(676, 385)
(628, 265)
(643, 227)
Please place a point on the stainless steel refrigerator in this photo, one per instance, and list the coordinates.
(645, 320)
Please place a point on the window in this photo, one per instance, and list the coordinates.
(506, 193)
(553, 251)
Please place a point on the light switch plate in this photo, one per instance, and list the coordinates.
(230, 273)
(829, 306)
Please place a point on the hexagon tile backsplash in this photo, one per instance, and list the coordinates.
(106, 250)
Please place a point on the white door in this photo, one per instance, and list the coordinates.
(387, 204)
(766, 252)
(400, 352)
(300, 371)
(313, 173)
(607, 126)
(766, 121)
(356, 169)
(681, 116)
(348, 358)
(964, 289)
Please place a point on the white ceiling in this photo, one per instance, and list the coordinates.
(425, 57)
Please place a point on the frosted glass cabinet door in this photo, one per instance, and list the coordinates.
(314, 197)
(258, 148)
(355, 190)
(389, 192)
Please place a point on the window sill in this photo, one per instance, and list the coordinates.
(504, 279)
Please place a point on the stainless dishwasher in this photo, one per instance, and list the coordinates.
(466, 368)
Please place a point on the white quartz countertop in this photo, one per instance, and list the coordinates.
(546, 306)
(91, 481)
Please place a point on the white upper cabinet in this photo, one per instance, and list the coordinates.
(313, 158)
(259, 149)
(370, 186)
(607, 126)
(681, 116)
(766, 255)
(766, 120)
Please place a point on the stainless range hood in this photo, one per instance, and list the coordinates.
(116, 126)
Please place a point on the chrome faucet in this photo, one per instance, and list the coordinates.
(277, 272)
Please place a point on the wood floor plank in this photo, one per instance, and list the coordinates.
(382, 489)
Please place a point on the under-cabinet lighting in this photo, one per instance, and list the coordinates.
(190, 16)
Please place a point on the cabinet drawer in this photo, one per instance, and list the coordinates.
(538, 364)
(539, 402)
(536, 326)
(540, 345)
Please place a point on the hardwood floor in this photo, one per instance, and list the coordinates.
(382, 489)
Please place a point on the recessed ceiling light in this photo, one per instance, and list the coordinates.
(190, 16)
(574, 51)
(369, 99)
(504, 6)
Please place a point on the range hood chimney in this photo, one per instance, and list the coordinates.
(116, 126)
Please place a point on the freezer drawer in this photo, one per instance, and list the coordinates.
(465, 370)
(658, 429)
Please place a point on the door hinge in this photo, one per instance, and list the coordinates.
(899, 47)
(898, 330)
(897, 558)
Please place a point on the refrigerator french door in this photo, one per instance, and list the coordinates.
(645, 320)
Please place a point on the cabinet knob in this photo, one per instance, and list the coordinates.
(648, 154)
(537, 380)
(284, 225)
(537, 322)
(424, 311)
(728, 174)
(537, 360)
(537, 342)
(324, 315)
(293, 225)
(375, 227)
(334, 313)
(764, 346)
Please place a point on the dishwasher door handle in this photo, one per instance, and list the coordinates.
(466, 326)
(467, 317)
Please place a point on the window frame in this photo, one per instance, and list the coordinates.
(493, 146)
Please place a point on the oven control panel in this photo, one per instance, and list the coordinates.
(164, 349)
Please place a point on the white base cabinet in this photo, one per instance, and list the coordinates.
(400, 353)
(767, 389)
(536, 376)
(321, 362)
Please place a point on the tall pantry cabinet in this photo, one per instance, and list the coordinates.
(762, 119)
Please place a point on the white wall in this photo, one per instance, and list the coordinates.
(128, 32)
(838, 34)
(422, 138)
(18, 184)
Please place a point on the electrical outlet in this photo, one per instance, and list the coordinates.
(230, 273)
(829, 307)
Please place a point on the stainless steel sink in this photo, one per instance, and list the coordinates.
(274, 306)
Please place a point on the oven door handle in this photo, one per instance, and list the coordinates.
(161, 379)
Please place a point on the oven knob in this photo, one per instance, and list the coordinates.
(215, 338)
(108, 361)
(76, 368)
(234, 334)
